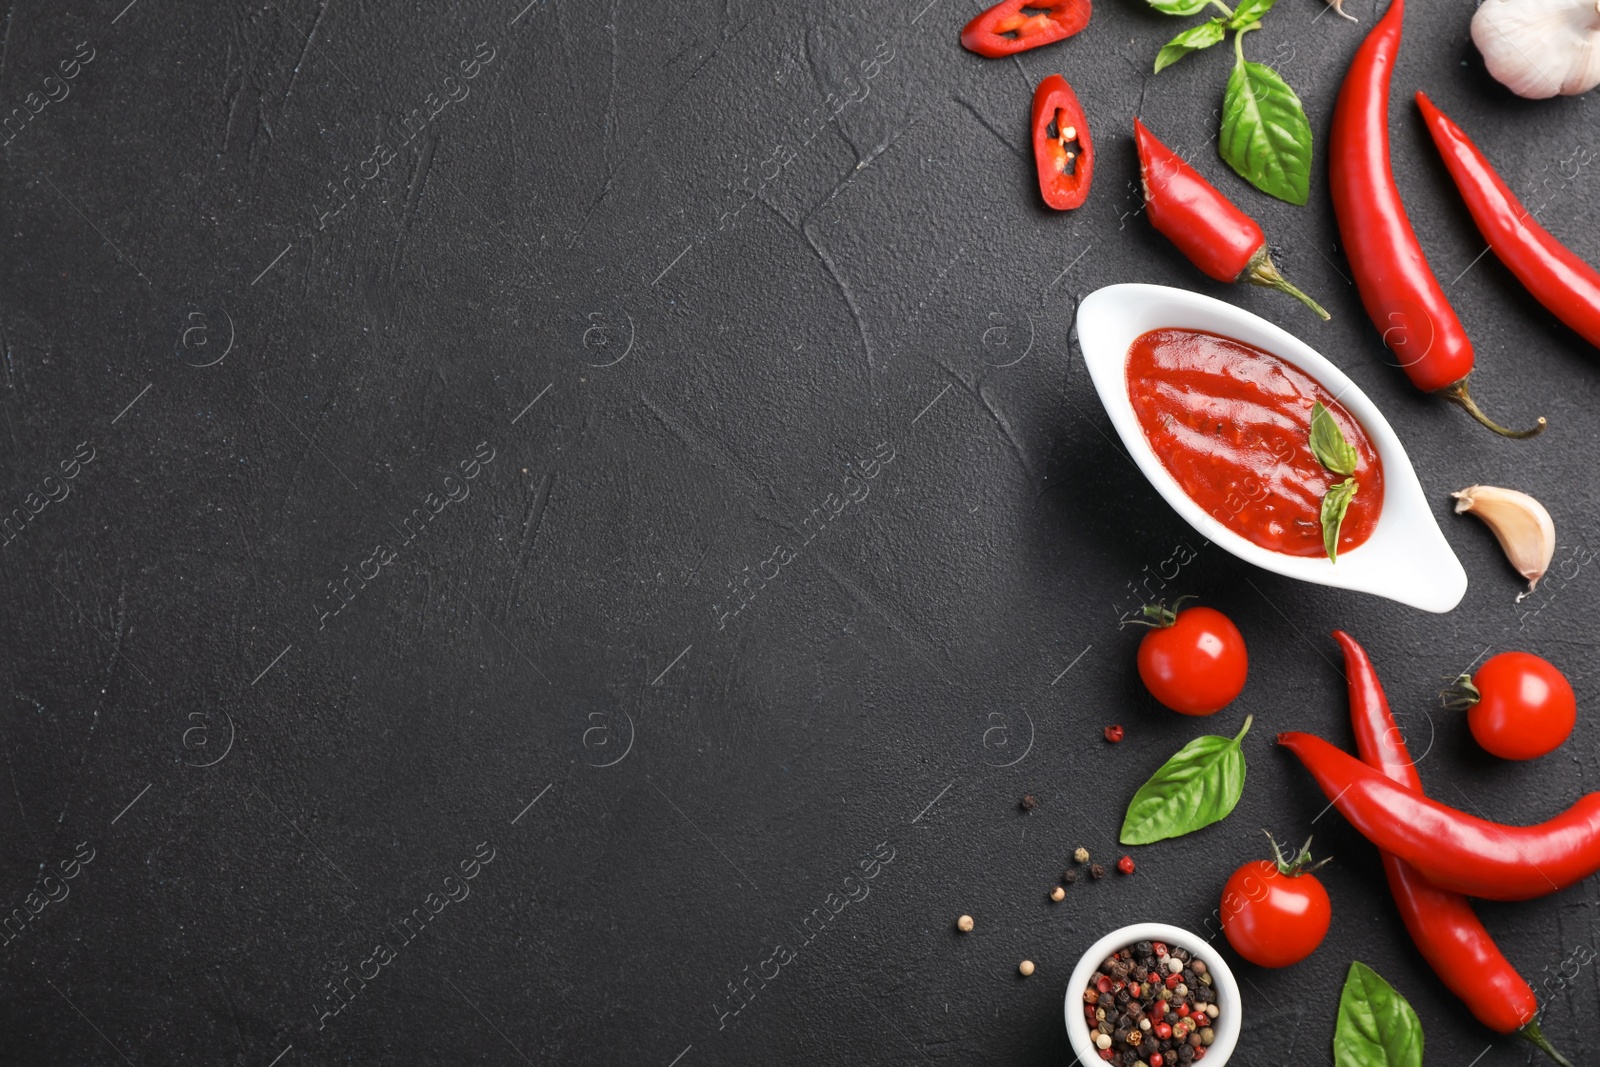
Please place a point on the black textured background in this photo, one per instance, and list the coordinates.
(641, 222)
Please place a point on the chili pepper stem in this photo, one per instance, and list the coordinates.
(1534, 1036)
(1262, 271)
(1459, 394)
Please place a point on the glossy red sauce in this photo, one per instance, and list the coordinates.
(1232, 424)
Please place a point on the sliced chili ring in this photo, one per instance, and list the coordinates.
(1062, 149)
(1013, 26)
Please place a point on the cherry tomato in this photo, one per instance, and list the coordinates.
(1275, 913)
(1193, 661)
(1521, 706)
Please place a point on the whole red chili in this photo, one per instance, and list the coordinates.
(1216, 236)
(1062, 150)
(1557, 278)
(1114, 733)
(1401, 295)
(1452, 849)
(1442, 924)
(1006, 29)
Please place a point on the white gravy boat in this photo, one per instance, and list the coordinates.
(1406, 558)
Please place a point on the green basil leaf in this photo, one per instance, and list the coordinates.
(1265, 135)
(1191, 40)
(1179, 7)
(1249, 11)
(1335, 502)
(1197, 787)
(1328, 443)
(1376, 1027)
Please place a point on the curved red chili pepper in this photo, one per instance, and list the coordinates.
(1063, 153)
(1013, 26)
(1401, 295)
(1450, 848)
(1207, 227)
(1557, 278)
(1442, 924)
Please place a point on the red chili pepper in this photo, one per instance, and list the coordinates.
(1557, 278)
(1442, 924)
(1452, 849)
(1401, 295)
(1005, 29)
(1062, 149)
(1207, 227)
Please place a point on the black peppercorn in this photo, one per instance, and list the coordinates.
(1144, 948)
(1096, 871)
(1185, 1054)
(1027, 803)
(1069, 876)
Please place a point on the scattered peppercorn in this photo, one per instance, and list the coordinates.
(1081, 854)
(965, 924)
(1027, 803)
(1125, 865)
(1114, 734)
(1058, 894)
(1025, 968)
(1069, 875)
(1096, 871)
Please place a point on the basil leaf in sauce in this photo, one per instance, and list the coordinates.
(1193, 39)
(1376, 1027)
(1265, 134)
(1195, 788)
(1328, 443)
(1335, 502)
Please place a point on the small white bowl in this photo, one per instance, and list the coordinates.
(1406, 558)
(1224, 987)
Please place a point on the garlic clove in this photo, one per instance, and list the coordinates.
(1520, 523)
(1539, 48)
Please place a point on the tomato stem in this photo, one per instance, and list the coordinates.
(1461, 694)
(1158, 616)
(1300, 864)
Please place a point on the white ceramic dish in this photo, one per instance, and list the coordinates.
(1406, 558)
(1224, 987)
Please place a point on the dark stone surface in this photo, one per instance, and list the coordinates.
(704, 369)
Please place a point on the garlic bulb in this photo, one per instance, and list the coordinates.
(1519, 522)
(1538, 48)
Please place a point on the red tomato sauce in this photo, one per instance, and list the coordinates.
(1232, 424)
